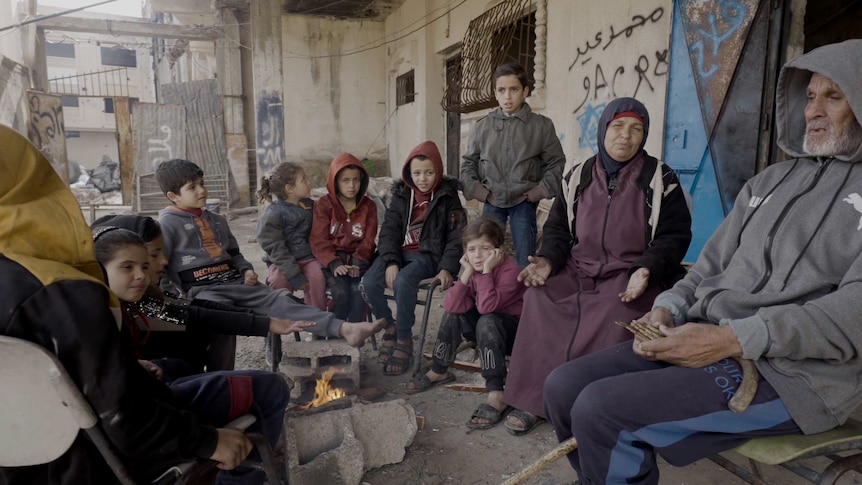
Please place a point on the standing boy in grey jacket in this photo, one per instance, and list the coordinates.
(513, 160)
(778, 283)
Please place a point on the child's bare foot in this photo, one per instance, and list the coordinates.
(483, 420)
(355, 333)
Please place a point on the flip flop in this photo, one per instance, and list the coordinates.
(486, 411)
(528, 420)
(422, 383)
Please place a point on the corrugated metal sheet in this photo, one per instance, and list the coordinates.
(158, 133)
(205, 135)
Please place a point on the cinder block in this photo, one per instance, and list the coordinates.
(305, 362)
(340, 446)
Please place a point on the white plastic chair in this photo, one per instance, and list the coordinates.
(42, 411)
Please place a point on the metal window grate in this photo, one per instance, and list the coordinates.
(405, 88)
(487, 44)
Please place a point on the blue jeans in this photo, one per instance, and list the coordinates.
(415, 268)
(522, 222)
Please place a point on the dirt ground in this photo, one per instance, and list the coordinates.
(446, 451)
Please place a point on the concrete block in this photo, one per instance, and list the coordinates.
(340, 446)
(305, 362)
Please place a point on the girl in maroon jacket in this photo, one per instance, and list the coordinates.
(484, 305)
(343, 233)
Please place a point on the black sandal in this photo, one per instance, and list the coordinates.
(385, 351)
(404, 363)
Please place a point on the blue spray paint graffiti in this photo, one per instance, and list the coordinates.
(270, 130)
(733, 15)
(589, 122)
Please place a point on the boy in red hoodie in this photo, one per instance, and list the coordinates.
(420, 238)
(343, 232)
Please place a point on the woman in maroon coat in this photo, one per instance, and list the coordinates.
(613, 240)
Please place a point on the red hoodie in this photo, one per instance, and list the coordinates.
(419, 201)
(335, 231)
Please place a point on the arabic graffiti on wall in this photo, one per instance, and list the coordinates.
(270, 130)
(47, 131)
(588, 121)
(630, 67)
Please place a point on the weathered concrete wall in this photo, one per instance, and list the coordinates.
(334, 93)
(595, 52)
(10, 42)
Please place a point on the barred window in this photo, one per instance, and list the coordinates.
(505, 33)
(404, 88)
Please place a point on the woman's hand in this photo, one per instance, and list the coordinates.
(537, 272)
(638, 282)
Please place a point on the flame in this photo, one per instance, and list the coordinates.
(324, 392)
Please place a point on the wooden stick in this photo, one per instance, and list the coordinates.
(560, 451)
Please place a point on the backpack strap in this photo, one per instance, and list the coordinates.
(573, 185)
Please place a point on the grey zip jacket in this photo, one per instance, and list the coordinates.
(784, 269)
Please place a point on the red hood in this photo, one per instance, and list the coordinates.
(341, 161)
(427, 149)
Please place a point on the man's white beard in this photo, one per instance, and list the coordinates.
(845, 143)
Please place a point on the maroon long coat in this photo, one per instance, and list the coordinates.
(573, 314)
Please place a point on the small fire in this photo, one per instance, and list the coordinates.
(324, 392)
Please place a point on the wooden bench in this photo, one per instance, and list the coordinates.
(787, 451)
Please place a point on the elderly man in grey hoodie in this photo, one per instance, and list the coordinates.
(778, 283)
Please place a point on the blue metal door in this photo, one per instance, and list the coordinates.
(719, 102)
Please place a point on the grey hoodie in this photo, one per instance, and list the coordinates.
(784, 269)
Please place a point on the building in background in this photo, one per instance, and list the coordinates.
(89, 70)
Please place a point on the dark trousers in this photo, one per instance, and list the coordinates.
(415, 268)
(624, 409)
(347, 302)
(219, 397)
(494, 335)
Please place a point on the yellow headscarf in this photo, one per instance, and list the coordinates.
(41, 224)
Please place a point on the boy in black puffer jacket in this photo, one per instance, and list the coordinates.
(420, 238)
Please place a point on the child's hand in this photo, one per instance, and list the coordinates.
(391, 273)
(638, 282)
(341, 270)
(353, 271)
(494, 260)
(250, 277)
(153, 369)
(537, 272)
(466, 270)
(280, 326)
(445, 279)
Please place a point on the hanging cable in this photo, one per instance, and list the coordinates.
(58, 14)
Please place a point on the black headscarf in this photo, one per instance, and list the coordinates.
(619, 105)
(145, 227)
